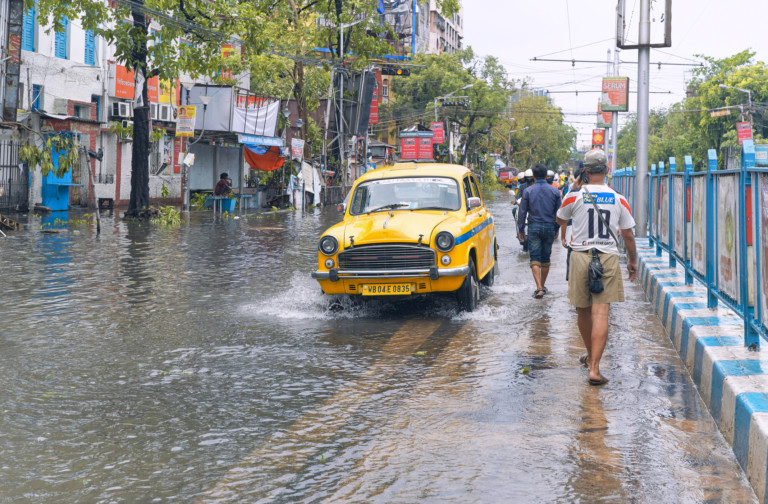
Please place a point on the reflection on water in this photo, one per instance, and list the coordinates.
(203, 364)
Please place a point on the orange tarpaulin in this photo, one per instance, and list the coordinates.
(269, 161)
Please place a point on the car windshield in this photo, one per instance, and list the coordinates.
(407, 193)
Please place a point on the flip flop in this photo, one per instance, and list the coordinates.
(583, 360)
(545, 290)
(596, 383)
(539, 293)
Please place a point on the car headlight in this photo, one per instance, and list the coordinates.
(444, 241)
(328, 245)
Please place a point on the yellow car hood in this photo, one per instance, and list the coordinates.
(398, 226)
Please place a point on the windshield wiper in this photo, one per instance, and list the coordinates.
(391, 206)
(432, 208)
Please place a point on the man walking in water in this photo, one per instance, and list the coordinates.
(539, 205)
(598, 214)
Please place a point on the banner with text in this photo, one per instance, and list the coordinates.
(615, 95)
(728, 236)
(185, 122)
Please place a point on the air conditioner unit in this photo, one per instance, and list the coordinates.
(153, 111)
(121, 109)
(166, 113)
(60, 106)
(127, 124)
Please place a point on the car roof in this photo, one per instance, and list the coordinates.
(417, 169)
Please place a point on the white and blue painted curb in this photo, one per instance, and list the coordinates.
(731, 380)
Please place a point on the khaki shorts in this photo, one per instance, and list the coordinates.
(578, 280)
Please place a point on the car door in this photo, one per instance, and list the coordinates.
(485, 236)
(474, 221)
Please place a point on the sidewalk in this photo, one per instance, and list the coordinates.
(732, 380)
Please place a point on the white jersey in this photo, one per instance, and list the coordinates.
(588, 229)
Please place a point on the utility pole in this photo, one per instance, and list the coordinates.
(615, 116)
(643, 70)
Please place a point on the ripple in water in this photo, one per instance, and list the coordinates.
(304, 300)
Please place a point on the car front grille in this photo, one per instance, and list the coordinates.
(386, 257)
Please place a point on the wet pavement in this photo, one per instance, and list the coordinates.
(202, 364)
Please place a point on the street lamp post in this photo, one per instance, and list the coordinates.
(749, 99)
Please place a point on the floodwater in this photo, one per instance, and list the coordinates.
(202, 364)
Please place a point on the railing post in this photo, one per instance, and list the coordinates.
(710, 252)
(687, 218)
(659, 234)
(671, 213)
(745, 241)
(651, 184)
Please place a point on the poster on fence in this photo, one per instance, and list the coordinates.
(679, 200)
(763, 233)
(698, 225)
(727, 237)
(664, 212)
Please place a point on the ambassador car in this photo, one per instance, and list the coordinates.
(408, 230)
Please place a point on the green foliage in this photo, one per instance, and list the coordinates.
(63, 148)
(687, 128)
(166, 216)
(485, 124)
(164, 191)
(197, 201)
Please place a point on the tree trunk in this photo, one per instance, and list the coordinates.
(139, 203)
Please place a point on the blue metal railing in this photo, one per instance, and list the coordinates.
(713, 223)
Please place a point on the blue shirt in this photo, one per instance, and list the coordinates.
(540, 203)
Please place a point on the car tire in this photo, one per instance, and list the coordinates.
(469, 293)
(489, 279)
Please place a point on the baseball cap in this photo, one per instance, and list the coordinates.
(595, 161)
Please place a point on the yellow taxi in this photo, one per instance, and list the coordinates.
(411, 229)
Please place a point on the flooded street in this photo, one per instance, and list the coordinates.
(203, 364)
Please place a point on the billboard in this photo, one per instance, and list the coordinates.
(744, 130)
(604, 119)
(437, 128)
(598, 137)
(728, 236)
(615, 94)
(698, 225)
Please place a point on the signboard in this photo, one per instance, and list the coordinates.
(663, 214)
(679, 201)
(744, 130)
(125, 82)
(727, 236)
(615, 96)
(437, 129)
(185, 122)
(761, 155)
(408, 149)
(178, 148)
(373, 118)
(297, 149)
(598, 137)
(719, 113)
(604, 119)
(416, 134)
(698, 225)
(260, 140)
(425, 148)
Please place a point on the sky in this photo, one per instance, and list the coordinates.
(515, 31)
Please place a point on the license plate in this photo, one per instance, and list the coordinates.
(387, 290)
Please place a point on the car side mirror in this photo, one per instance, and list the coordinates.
(342, 207)
(474, 203)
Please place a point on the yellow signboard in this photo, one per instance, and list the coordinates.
(185, 122)
(718, 113)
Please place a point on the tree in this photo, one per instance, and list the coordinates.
(206, 24)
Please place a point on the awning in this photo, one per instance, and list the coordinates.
(262, 153)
